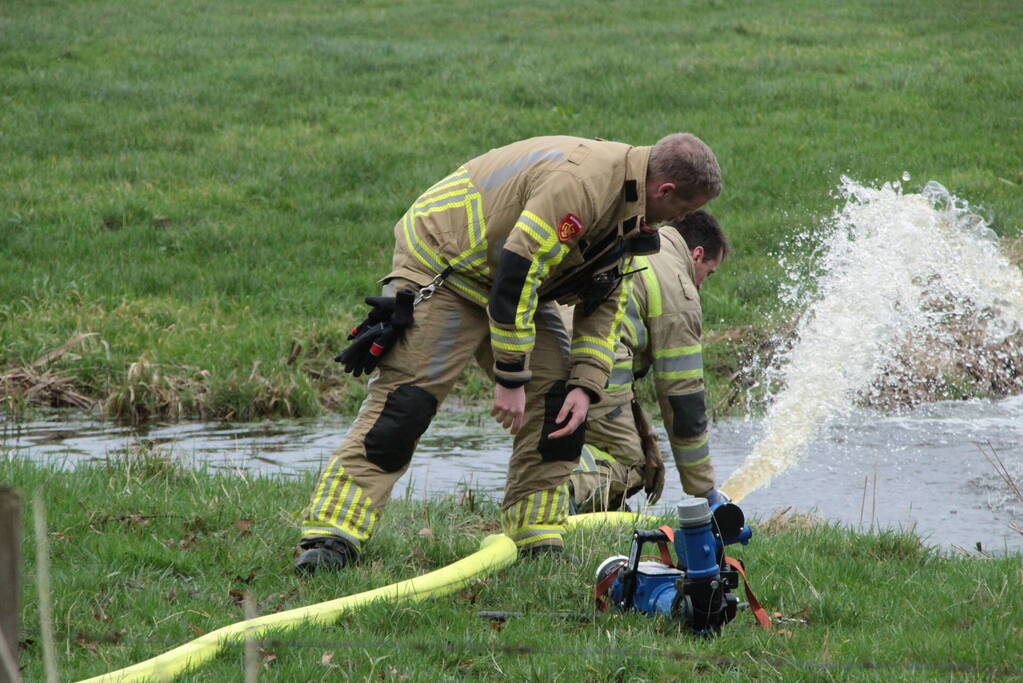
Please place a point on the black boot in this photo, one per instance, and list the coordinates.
(557, 552)
(328, 553)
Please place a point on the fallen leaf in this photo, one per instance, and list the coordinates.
(425, 532)
(237, 597)
(497, 625)
(244, 526)
(196, 630)
(57, 536)
(328, 660)
(394, 674)
(90, 645)
(267, 657)
(420, 555)
(247, 579)
(172, 596)
(186, 543)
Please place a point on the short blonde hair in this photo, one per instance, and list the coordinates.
(686, 161)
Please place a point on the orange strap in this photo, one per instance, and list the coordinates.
(759, 613)
(663, 547)
(603, 588)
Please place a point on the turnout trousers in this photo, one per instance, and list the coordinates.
(412, 381)
(611, 464)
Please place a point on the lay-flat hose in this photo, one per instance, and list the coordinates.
(496, 552)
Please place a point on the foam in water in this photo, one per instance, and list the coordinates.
(896, 273)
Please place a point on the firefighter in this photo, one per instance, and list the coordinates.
(661, 332)
(489, 249)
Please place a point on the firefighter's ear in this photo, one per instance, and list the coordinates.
(698, 254)
(664, 190)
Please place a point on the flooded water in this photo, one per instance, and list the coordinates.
(924, 470)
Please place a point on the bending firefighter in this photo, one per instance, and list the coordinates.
(480, 260)
(661, 332)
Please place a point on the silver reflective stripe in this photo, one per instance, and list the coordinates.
(460, 174)
(548, 317)
(524, 340)
(446, 342)
(686, 456)
(634, 323)
(503, 175)
(443, 203)
(620, 377)
(586, 462)
(690, 361)
(412, 240)
(579, 346)
(545, 232)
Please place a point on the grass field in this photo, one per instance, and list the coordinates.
(146, 555)
(208, 189)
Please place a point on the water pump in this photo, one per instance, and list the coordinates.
(697, 589)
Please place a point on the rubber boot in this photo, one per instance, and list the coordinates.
(323, 553)
(557, 552)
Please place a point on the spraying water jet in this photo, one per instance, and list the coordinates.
(900, 273)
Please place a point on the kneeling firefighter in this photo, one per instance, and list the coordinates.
(485, 252)
(661, 332)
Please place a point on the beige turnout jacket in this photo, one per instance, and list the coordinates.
(662, 331)
(528, 222)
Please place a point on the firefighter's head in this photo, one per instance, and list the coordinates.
(706, 242)
(682, 176)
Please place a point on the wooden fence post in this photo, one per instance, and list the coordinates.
(10, 563)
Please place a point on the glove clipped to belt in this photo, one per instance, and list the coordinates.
(385, 325)
(653, 465)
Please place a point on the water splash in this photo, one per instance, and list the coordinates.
(898, 278)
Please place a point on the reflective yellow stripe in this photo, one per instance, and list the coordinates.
(459, 176)
(681, 374)
(678, 351)
(435, 204)
(653, 288)
(549, 254)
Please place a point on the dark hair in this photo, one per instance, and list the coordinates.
(700, 229)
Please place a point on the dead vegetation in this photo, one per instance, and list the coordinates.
(953, 361)
(789, 520)
(148, 393)
(36, 384)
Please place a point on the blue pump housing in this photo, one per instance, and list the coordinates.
(697, 591)
(655, 588)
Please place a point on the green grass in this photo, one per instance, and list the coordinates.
(147, 554)
(212, 187)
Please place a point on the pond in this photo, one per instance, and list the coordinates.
(924, 470)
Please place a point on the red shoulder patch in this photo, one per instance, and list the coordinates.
(569, 227)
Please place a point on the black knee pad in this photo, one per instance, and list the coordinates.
(689, 413)
(406, 415)
(567, 448)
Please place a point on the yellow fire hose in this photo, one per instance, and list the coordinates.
(496, 552)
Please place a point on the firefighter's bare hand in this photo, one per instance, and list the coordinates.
(509, 406)
(577, 404)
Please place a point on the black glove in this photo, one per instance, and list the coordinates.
(386, 323)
